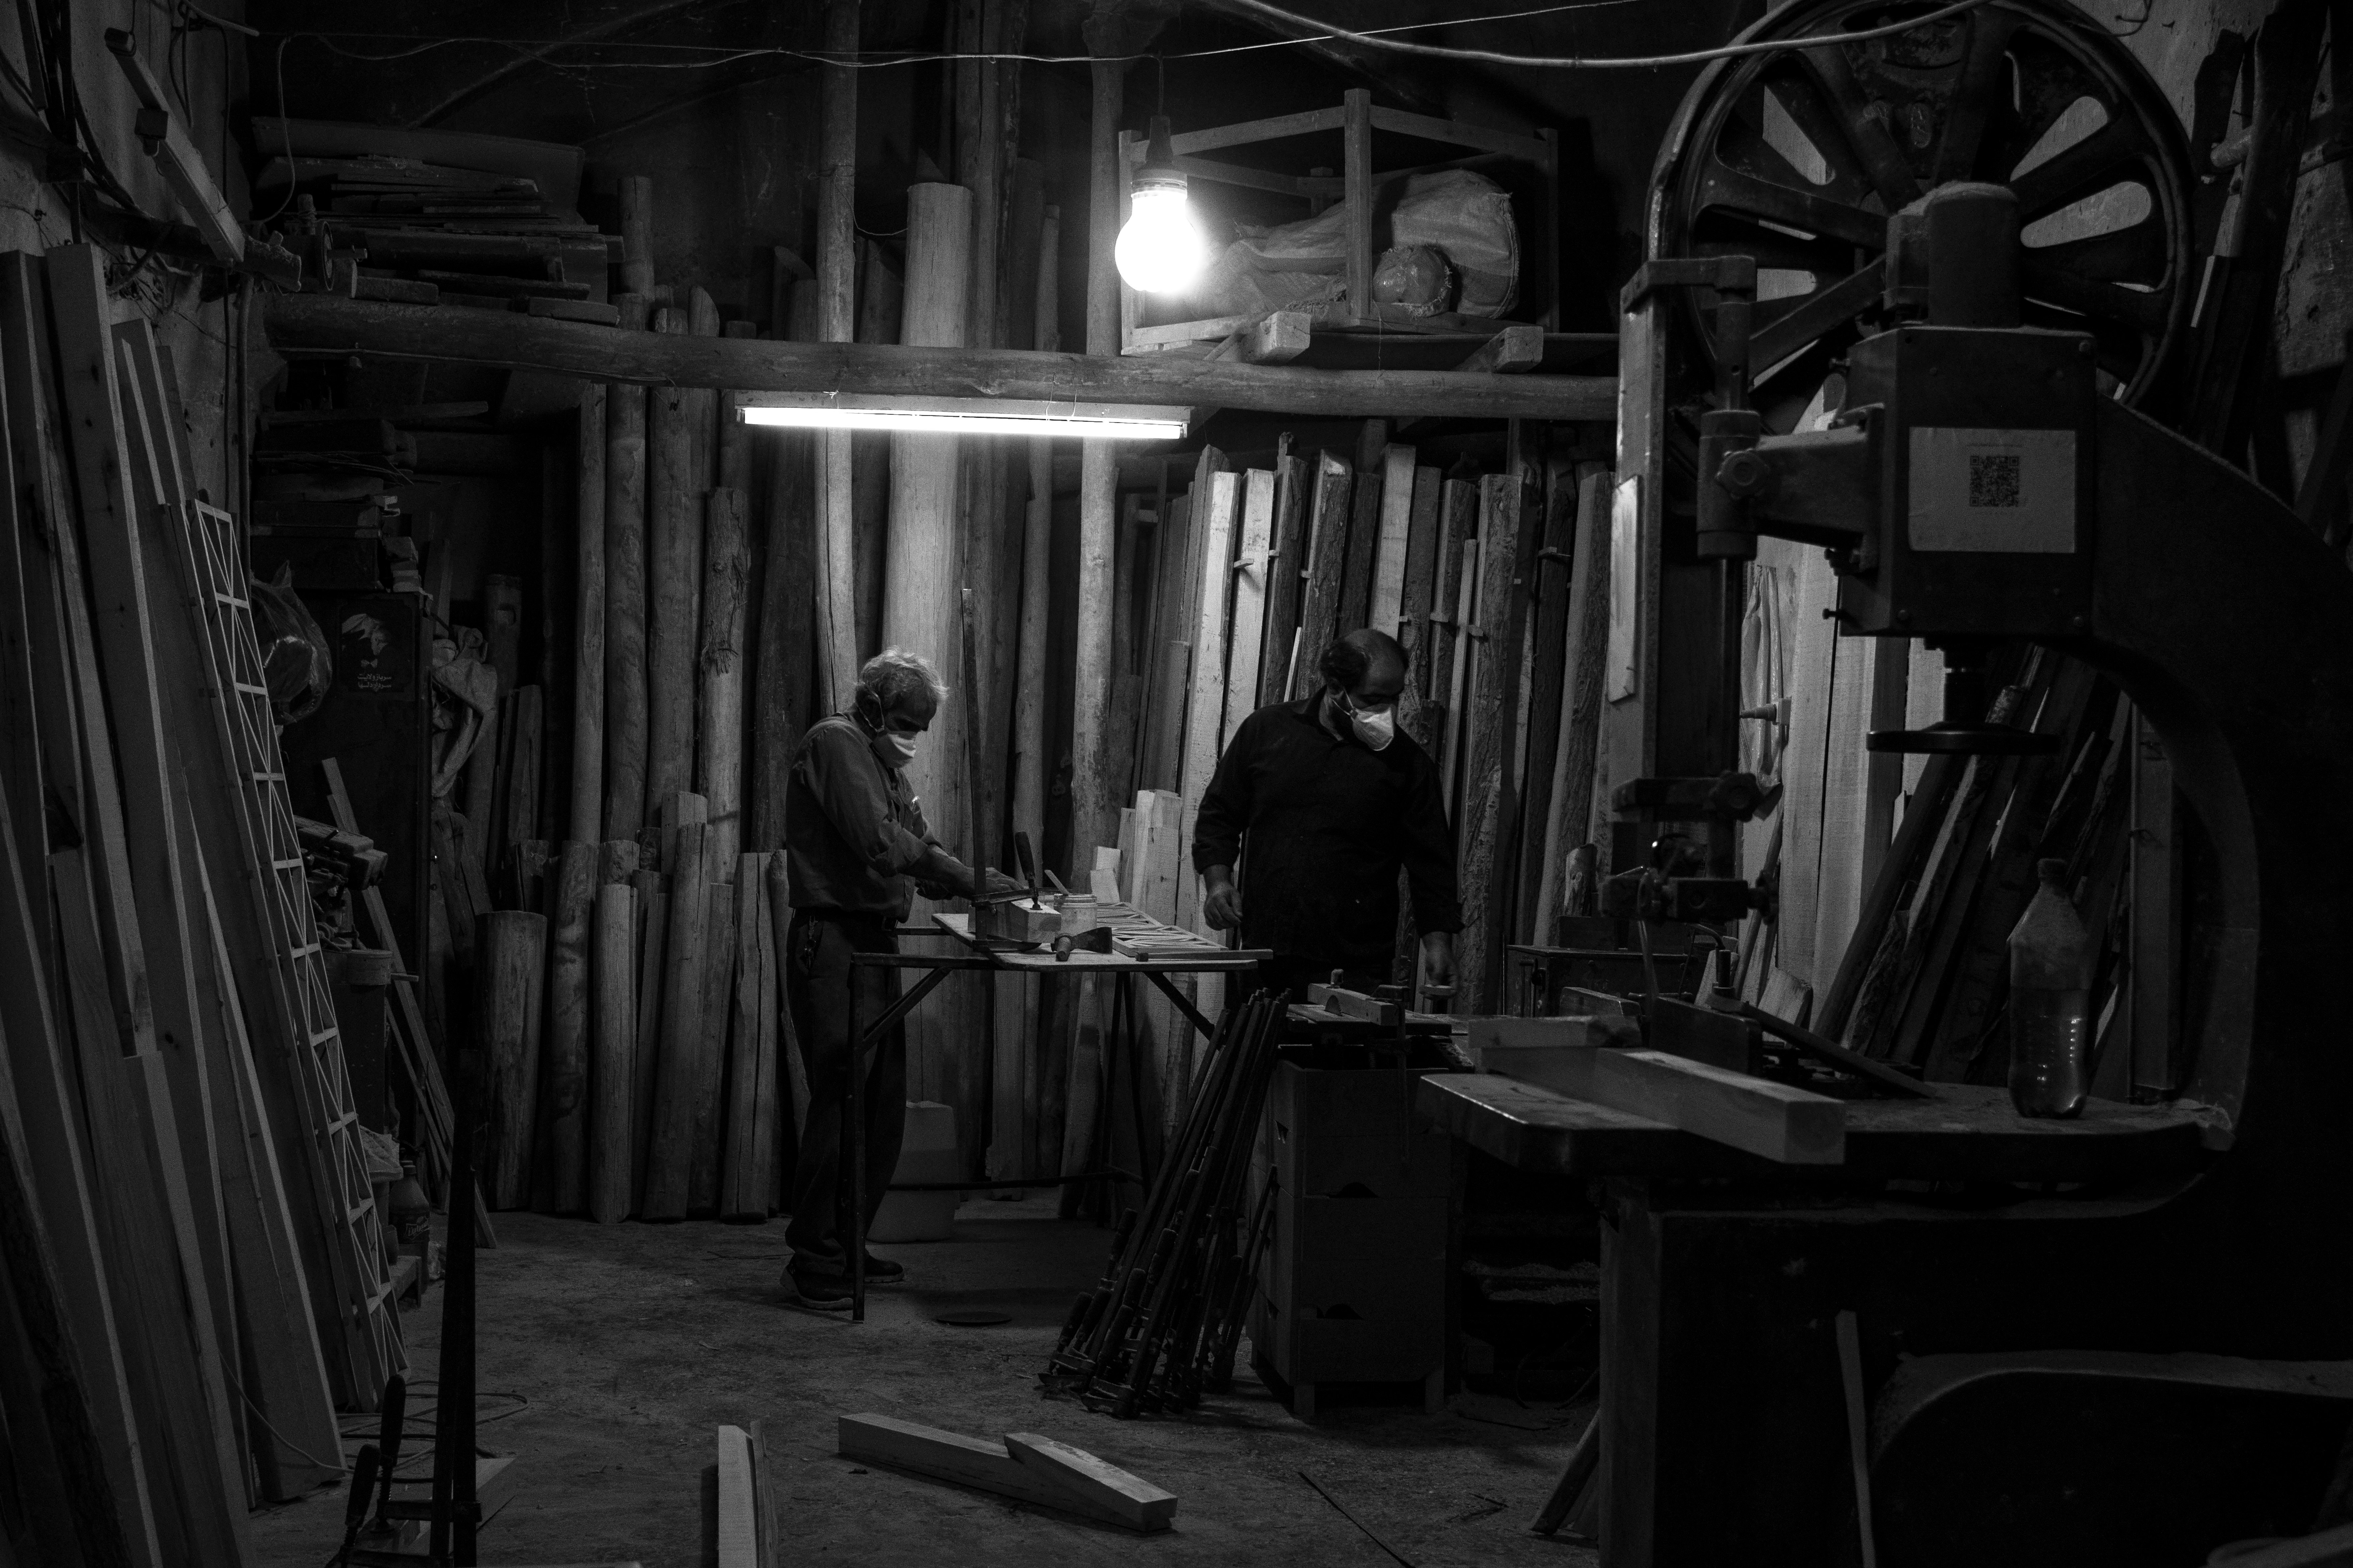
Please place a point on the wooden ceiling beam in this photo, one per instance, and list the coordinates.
(322, 325)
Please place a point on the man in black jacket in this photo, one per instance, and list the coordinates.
(857, 849)
(1327, 800)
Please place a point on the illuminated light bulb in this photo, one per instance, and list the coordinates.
(1161, 248)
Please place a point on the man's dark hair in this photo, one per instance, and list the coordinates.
(1350, 658)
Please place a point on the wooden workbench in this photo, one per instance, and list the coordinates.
(1965, 1133)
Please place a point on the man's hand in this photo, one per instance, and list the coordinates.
(1438, 959)
(993, 882)
(1221, 906)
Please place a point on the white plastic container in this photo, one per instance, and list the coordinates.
(1081, 913)
(929, 1154)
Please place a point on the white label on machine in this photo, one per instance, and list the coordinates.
(2007, 490)
(1625, 579)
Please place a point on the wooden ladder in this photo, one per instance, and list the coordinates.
(305, 1006)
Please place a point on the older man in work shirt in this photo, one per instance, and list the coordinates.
(857, 849)
(1328, 800)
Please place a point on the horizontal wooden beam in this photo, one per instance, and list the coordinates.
(322, 325)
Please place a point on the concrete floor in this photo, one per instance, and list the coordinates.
(618, 1349)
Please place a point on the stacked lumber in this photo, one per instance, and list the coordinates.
(191, 1266)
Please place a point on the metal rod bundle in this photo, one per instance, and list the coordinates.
(1161, 1326)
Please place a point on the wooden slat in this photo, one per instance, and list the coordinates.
(1463, 133)
(613, 1065)
(747, 1182)
(56, 1254)
(1484, 824)
(1059, 1465)
(708, 1061)
(564, 1068)
(1255, 568)
(1071, 1480)
(1356, 172)
(1548, 651)
(1449, 613)
(1788, 1126)
(1390, 549)
(1327, 554)
(1286, 579)
(1355, 606)
(738, 1533)
(1518, 348)
(653, 927)
(514, 948)
(1204, 711)
(685, 964)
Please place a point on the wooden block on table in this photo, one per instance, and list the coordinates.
(1023, 922)
(1789, 1126)
(1142, 1504)
(1048, 1481)
(1557, 1054)
(1358, 1005)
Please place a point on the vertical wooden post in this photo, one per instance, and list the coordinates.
(744, 1187)
(652, 890)
(587, 816)
(673, 582)
(881, 297)
(613, 1067)
(1580, 692)
(719, 753)
(1356, 175)
(708, 1062)
(837, 281)
(637, 234)
(1090, 802)
(563, 1096)
(670, 1145)
(791, 589)
(625, 596)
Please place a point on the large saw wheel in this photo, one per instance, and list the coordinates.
(1797, 156)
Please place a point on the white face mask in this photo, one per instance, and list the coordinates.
(1376, 729)
(895, 749)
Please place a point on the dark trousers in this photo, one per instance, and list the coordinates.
(817, 987)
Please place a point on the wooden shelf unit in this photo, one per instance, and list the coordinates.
(1283, 335)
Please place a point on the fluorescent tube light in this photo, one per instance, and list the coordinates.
(962, 415)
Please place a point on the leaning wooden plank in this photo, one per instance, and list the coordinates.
(1355, 607)
(514, 944)
(1390, 549)
(1204, 712)
(972, 1462)
(1485, 728)
(613, 1066)
(1142, 1504)
(1286, 577)
(1254, 573)
(564, 1066)
(685, 962)
(118, 482)
(1327, 554)
(745, 1188)
(739, 1516)
(321, 324)
(1789, 1126)
(82, 1362)
(653, 927)
(710, 1059)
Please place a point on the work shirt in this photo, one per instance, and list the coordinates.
(853, 830)
(1327, 823)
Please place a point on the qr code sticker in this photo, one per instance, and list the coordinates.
(1994, 479)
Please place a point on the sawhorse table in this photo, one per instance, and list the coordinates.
(992, 962)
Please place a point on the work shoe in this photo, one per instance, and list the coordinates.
(826, 1292)
(882, 1271)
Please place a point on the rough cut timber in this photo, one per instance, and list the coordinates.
(1788, 1126)
(323, 324)
(1033, 1469)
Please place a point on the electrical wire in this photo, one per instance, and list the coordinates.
(1378, 38)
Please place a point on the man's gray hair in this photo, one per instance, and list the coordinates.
(895, 674)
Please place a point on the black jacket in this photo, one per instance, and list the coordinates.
(1326, 822)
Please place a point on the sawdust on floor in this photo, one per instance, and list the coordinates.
(608, 1354)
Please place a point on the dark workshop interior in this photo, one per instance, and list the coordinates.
(897, 783)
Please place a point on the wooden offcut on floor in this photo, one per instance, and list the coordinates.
(610, 1353)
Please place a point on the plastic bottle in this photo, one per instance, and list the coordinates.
(2050, 1001)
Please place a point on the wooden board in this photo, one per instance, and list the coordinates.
(1391, 547)
(1286, 578)
(1422, 585)
(1788, 1126)
(747, 1182)
(650, 926)
(563, 1069)
(613, 1058)
(738, 1535)
(1067, 1479)
(514, 945)
(1485, 823)
(1355, 606)
(1327, 552)
(708, 1063)
(1204, 712)
(1254, 581)
(669, 1154)
(1458, 600)
(1147, 945)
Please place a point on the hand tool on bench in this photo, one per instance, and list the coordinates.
(1020, 918)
